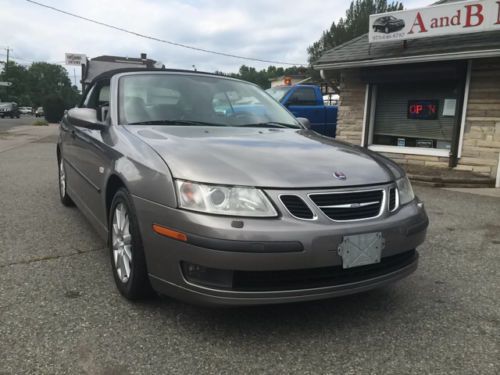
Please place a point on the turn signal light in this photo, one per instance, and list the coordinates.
(169, 233)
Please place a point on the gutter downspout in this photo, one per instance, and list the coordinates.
(497, 184)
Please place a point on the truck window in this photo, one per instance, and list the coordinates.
(278, 93)
(303, 96)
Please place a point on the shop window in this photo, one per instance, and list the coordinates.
(419, 115)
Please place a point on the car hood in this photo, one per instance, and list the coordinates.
(278, 158)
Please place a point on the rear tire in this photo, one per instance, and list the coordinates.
(126, 250)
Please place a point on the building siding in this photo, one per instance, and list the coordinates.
(351, 107)
(481, 144)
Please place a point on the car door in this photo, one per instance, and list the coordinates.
(303, 103)
(90, 157)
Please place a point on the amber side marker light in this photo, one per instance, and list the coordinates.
(169, 233)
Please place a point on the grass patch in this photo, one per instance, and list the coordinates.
(41, 123)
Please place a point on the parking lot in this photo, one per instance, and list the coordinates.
(61, 313)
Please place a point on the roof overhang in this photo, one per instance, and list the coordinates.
(463, 55)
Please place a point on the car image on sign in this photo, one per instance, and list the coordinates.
(388, 24)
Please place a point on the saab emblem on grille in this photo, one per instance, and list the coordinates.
(339, 176)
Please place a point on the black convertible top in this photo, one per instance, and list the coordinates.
(110, 73)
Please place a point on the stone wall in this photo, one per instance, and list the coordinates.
(351, 108)
(482, 128)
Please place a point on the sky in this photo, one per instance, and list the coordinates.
(279, 30)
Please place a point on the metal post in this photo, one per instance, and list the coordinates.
(7, 73)
(455, 140)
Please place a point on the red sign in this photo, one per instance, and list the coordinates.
(423, 109)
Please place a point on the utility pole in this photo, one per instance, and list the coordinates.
(7, 65)
(7, 73)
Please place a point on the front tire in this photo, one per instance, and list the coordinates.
(126, 250)
(386, 30)
(63, 194)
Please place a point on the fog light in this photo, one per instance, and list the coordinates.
(205, 276)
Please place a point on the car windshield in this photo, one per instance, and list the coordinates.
(278, 93)
(193, 99)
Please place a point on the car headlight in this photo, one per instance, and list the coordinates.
(224, 200)
(406, 194)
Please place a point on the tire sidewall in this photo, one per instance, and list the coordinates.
(138, 274)
(65, 199)
(61, 195)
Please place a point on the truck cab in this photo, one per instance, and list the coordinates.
(307, 101)
(9, 109)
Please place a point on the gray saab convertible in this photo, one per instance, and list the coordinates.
(208, 190)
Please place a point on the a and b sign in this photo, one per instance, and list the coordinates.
(452, 18)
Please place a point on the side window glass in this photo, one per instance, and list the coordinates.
(104, 95)
(303, 96)
(87, 98)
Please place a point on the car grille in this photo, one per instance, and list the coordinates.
(353, 205)
(297, 207)
(318, 277)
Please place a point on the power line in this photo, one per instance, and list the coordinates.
(12, 57)
(158, 39)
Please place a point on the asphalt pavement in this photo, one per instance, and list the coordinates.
(61, 313)
(10, 123)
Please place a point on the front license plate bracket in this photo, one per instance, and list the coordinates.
(361, 249)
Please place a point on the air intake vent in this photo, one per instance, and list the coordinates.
(392, 199)
(353, 205)
(297, 207)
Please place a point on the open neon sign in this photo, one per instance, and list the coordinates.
(423, 109)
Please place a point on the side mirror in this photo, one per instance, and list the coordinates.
(304, 122)
(85, 118)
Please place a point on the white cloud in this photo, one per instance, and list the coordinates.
(272, 30)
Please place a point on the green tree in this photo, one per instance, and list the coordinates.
(263, 77)
(353, 25)
(53, 106)
(49, 80)
(18, 76)
(31, 85)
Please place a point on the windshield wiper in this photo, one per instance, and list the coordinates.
(175, 122)
(270, 124)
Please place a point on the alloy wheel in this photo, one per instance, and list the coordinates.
(122, 242)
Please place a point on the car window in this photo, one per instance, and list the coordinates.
(190, 99)
(303, 96)
(221, 103)
(278, 93)
(98, 95)
(104, 95)
(86, 102)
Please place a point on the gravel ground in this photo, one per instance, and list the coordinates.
(60, 311)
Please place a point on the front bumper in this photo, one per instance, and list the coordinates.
(279, 245)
